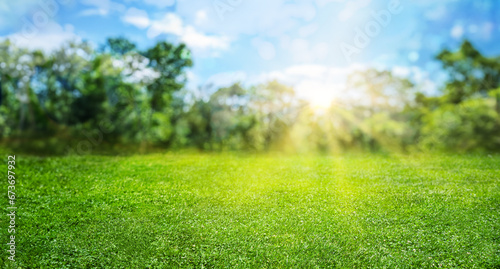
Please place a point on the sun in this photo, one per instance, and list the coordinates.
(320, 96)
(319, 102)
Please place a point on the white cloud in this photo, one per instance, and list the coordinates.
(160, 3)
(301, 50)
(436, 13)
(262, 17)
(201, 17)
(172, 24)
(101, 7)
(487, 30)
(49, 38)
(308, 30)
(413, 56)
(308, 70)
(197, 40)
(136, 17)
(457, 31)
(265, 49)
(351, 8)
(94, 11)
(169, 24)
(401, 71)
(322, 3)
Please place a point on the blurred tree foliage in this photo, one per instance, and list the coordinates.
(123, 95)
(467, 116)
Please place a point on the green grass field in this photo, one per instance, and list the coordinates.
(235, 211)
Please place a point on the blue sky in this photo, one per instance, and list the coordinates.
(312, 45)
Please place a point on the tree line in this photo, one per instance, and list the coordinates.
(140, 98)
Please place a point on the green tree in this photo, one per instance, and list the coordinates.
(118, 46)
(170, 61)
(470, 73)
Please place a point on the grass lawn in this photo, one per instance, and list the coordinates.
(233, 211)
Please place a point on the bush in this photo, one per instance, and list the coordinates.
(470, 125)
